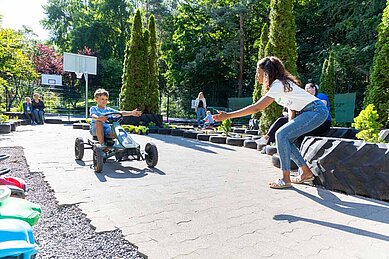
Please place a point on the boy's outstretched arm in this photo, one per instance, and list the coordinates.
(135, 113)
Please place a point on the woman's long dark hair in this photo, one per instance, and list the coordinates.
(273, 69)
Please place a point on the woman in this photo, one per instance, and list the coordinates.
(284, 88)
(37, 109)
(27, 110)
(200, 108)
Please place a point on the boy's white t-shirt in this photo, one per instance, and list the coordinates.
(295, 100)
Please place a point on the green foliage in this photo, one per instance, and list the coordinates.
(151, 124)
(129, 128)
(377, 93)
(152, 100)
(226, 126)
(345, 28)
(282, 34)
(327, 81)
(257, 93)
(166, 125)
(4, 118)
(203, 53)
(135, 68)
(367, 122)
(282, 44)
(16, 69)
(101, 25)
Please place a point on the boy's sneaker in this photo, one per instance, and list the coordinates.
(104, 145)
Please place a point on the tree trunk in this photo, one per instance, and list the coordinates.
(241, 35)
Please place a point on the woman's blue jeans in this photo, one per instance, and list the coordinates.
(309, 118)
(200, 116)
(38, 116)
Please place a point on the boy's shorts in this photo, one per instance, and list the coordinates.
(107, 129)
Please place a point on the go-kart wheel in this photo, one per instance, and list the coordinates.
(98, 161)
(79, 148)
(151, 155)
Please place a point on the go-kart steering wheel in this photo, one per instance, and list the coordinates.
(114, 116)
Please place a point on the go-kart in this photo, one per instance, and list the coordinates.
(123, 147)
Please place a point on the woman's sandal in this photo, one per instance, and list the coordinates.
(299, 180)
(279, 184)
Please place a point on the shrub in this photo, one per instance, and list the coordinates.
(368, 124)
(226, 126)
(4, 118)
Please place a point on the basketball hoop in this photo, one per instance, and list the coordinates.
(79, 75)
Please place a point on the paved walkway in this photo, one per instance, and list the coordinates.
(205, 201)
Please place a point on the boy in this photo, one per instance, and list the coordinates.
(99, 126)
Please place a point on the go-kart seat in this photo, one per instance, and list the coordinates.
(107, 139)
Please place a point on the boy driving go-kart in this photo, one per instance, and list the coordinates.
(99, 126)
(110, 139)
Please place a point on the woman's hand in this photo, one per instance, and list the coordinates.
(221, 116)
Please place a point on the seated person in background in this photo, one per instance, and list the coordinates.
(270, 137)
(208, 120)
(314, 90)
(38, 109)
(27, 110)
(99, 126)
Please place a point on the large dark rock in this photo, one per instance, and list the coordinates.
(144, 118)
(349, 166)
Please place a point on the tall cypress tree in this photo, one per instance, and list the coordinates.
(257, 93)
(377, 92)
(152, 96)
(327, 81)
(282, 44)
(135, 69)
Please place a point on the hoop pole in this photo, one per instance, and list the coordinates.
(86, 95)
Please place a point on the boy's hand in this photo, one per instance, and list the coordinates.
(103, 118)
(136, 113)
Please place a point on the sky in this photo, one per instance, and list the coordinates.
(17, 13)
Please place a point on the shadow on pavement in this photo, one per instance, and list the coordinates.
(190, 143)
(378, 213)
(116, 170)
(353, 230)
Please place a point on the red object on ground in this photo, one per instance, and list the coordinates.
(15, 181)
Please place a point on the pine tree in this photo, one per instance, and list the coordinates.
(257, 93)
(282, 44)
(327, 81)
(152, 95)
(377, 92)
(135, 69)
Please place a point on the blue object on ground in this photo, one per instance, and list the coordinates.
(16, 239)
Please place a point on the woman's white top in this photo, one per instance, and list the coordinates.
(204, 103)
(295, 100)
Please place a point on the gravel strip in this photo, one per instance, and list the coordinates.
(64, 231)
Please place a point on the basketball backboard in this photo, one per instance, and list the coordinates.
(79, 63)
(51, 79)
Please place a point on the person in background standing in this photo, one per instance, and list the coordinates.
(200, 108)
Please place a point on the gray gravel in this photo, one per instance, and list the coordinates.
(64, 231)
